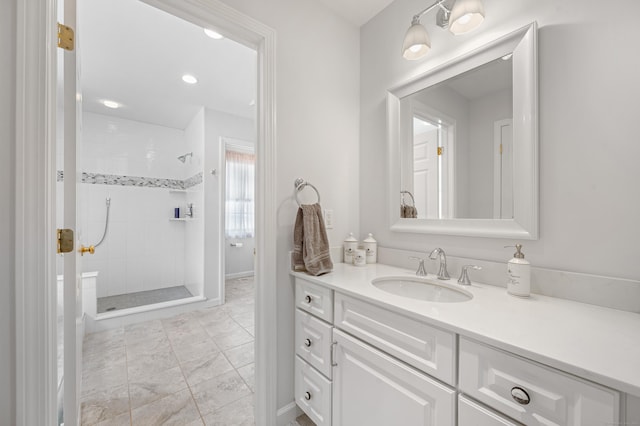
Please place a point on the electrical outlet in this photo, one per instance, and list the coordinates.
(328, 218)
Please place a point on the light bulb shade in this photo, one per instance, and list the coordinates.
(416, 42)
(466, 15)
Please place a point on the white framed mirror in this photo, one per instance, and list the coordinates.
(463, 144)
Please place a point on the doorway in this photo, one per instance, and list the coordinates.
(36, 372)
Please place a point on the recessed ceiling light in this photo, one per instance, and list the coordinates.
(188, 78)
(213, 34)
(110, 104)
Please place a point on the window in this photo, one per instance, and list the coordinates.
(239, 207)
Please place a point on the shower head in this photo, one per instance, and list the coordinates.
(183, 158)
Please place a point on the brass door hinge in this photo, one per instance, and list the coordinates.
(500, 149)
(65, 37)
(440, 150)
(65, 240)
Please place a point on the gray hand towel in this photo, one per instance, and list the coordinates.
(310, 242)
(408, 212)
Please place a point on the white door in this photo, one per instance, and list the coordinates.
(372, 388)
(72, 322)
(503, 169)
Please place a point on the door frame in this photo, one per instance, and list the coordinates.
(35, 177)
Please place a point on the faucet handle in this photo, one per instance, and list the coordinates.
(464, 274)
(421, 272)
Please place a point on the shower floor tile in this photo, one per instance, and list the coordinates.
(141, 298)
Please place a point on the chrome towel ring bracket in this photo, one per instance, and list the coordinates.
(413, 201)
(299, 185)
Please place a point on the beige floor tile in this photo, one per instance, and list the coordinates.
(214, 394)
(104, 405)
(156, 386)
(195, 349)
(145, 365)
(123, 419)
(245, 320)
(222, 326)
(251, 330)
(100, 360)
(148, 330)
(248, 374)
(178, 409)
(242, 355)
(107, 378)
(206, 368)
(238, 413)
(232, 339)
(160, 344)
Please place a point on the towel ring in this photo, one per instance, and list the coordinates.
(413, 201)
(300, 184)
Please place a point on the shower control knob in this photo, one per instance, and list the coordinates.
(307, 342)
(307, 299)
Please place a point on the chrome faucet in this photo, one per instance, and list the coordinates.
(442, 272)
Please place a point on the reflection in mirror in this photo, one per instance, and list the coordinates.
(460, 163)
(463, 144)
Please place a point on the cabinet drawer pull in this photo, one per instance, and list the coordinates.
(307, 299)
(307, 342)
(520, 396)
(307, 396)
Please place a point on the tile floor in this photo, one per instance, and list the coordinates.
(192, 369)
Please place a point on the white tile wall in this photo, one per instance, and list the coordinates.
(143, 249)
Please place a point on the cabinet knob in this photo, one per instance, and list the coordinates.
(307, 342)
(307, 396)
(307, 298)
(520, 396)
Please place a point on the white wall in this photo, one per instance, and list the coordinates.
(143, 250)
(483, 113)
(317, 95)
(218, 125)
(588, 88)
(7, 216)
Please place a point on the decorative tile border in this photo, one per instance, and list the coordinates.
(139, 181)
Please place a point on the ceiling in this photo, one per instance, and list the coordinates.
(135, 55)
(358, 12)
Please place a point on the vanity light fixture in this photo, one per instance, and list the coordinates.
(214, 35)
(459, 16)
(189, 79)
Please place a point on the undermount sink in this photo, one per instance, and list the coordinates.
(422, 288)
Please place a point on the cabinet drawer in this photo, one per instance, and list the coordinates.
(313, 341)
(315, 299)
(373, 389)
(427, 348)
(471, 413)
(532, 393)
(313, 393)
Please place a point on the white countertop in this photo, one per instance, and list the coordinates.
(595, 343)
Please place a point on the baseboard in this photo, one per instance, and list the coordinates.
(287, 414)
(239, 275)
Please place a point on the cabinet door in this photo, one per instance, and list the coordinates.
(471, 413)
(371, 388)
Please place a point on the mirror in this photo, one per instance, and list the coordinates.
(463, 144)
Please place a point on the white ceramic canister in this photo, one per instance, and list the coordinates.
(371, 247)
(360, 257)
(350, 245)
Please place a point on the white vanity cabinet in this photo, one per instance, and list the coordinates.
(373, 388)
(532, 393)
(360, 363)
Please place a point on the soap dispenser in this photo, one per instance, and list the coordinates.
(519, 271)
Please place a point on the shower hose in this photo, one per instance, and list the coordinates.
(106, 223)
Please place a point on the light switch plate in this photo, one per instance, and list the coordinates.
(328, 218)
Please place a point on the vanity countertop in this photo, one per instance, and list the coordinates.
(592, 342)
